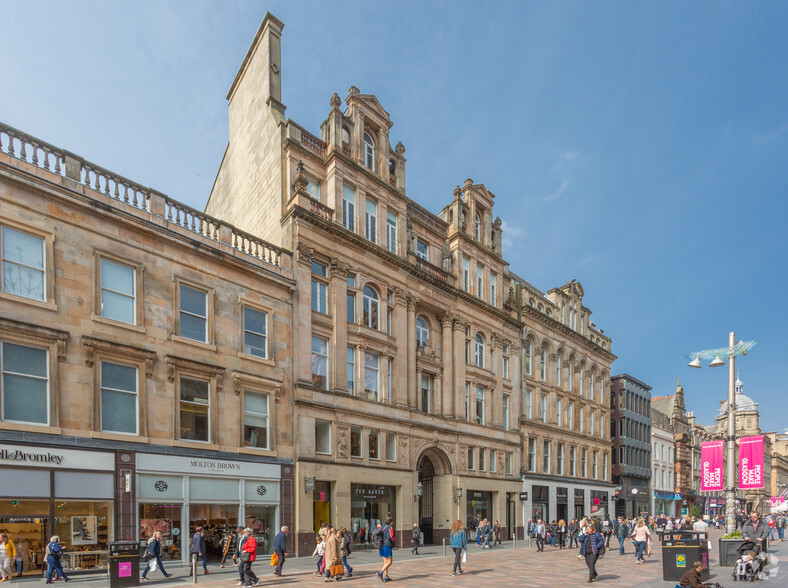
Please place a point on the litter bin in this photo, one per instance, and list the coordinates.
(681, 549)
(124, 564)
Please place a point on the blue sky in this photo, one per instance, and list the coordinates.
(639, 148)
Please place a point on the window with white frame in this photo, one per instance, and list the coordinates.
(482, 456)
(320, 363)
(580, 381)
(591, 421)
(24, 269)
(319, 288)
(591, 385)
(505, 367)
(192, 313)
(467, 401)
(493, 458)
(391, 232)
(528, 403)
(426, 393)
(355, 442)
(255, 332)
(391, 447)
(571, 416)
(569, 375)
(466, 274)
(527, 358)
(479, 351)
(351, 307)
(493, 289)
(118, 291)
(531, 455)
(585, 463)
(480, 405)
(507, 460)
(371, 218)
(372, 375)
(602, 426)
(422, 250)
(477, 227)
(25, 383)
(543, 408)
(195, 409)
(422, 333)
(256, 425)
(480, 281)
(323, 437)
(371, 308)
(559, 404)
(351, 371)
(557, 370)
(604, 466)
(546, 458)
(389, 389)
(313, 189)
(119, 386)
(581, 416)
(543, 365)
(471, 458)
(348, 207)
(369, 152)
(572, 462)
(595, 460)
(505, 411)
(373, 444)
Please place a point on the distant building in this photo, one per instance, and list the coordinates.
(663, 496)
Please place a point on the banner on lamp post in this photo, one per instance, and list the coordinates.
(711, 465)
(751, 462)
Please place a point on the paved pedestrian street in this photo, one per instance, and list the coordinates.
(499, 567)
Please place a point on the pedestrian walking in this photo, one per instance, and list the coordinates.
(561, 529)
(607, 529)
(153, 554)
(386, 549)
(197, 548)
(640, 537)
(416, 539)
(591, 544)
(53, 553)
(622, 532)
(280, 549)
(496, 529)
(7, 557)
(248, 556)
(332, 557)
(572, 529)
(319, 552)
(226, 545)
(239, 532)
(541, 533)
(345, 549)
(458, 539)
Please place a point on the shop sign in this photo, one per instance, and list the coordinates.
(368, 491)
(149, 462)
(42, 457)
(523, 496)
(25, 520)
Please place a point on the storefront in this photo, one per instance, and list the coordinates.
(478, 506)
(599, 504)
(177, 494)
(370, 506)
(580, 497)
(665, 503)
(46, 491)
(541, 503)
(562, 504)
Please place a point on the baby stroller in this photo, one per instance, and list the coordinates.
(752, 570)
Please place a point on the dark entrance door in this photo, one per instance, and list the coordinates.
(511, 518)
(426, 474)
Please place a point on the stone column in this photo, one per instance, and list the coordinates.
(516, 399)
(413, 383)
(459, 367)
(358, 139)
(338, 303)
(302, 306)
(449, 388)
(496, 394)
(400, 380)
(437, 393)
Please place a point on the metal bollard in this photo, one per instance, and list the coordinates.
(194, 569)
(514, 540)
(444, 547)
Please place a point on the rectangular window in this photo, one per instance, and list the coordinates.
(493, 295)
(255, 332)
(493, 457)
(596, 464)
(482, 455)
(389, 320)
(118, 292)
(580, 379)
(25, 384)
(571, 416)
(422, 250)
(389, 389)
(320, 363)
(505, 367)
(256, 429)
(559, 459)
(119, 393)
(319, 289)
(582, 420)
(570, 376)
(373, 444)
(372, 375)
(479, 405)
(527, 358)
(559, 412)
(471, 458)
(372, 220)
(192, 314)
(391, 447)
(585, 463)
(528, 403)
(543, 408)
(572, 464)
(467, 351)
(23, 264)
(507, 459)
(313, 189)
(531, 455)
(505, 412)
(391, 232)
(355, 441)
(602, 426)
(195, 408)
(323, 437)
(351, 307)
(604, 467)
(591, 422)
(426, 393)
(349, 208)
(480, 281)
(466, 274)
(546, 458)
(351, 371)
(543, 365)
(467, 401)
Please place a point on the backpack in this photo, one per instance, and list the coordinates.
(377, 538)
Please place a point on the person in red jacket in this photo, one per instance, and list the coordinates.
(248, 555)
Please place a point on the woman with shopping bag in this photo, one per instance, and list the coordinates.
(153, 556)
(248, 555)
(332, 558)
(458, 539)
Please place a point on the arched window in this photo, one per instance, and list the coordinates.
(543, 364)
(477, 227)
(371, 308)
(479, 357)
(369, 152)
(528, 358)
(422, 333)
(591, 385)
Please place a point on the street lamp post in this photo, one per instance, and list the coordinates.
(732, 350)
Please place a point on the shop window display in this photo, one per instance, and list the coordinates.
(261, 519)
(370, 505)
(216, 520)
(26, 523)
(84, 529)
(167, 519)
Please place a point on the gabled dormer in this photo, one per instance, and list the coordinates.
(471, 214)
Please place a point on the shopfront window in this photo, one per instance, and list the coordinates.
(167, 519)
(84, 529)
(370, 505)
(261, 519)
(216, 520)
(479, 505)
(321, 500)
(28, 520)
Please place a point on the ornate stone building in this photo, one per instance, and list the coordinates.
(415, 347)
(145, 351)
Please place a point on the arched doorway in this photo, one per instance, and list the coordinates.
(426, 503)
(433, 469)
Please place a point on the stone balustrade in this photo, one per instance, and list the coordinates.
(433, 270)
(320, 209)
(427, 217)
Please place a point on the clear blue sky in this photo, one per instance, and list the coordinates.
(638, 147)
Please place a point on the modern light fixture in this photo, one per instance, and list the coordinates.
(695, 362)
(717, 361)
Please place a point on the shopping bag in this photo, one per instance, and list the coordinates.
(274, 560)
(154, 565)
(464, 556)
(336, 570)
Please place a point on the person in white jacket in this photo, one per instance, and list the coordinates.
(320, 551)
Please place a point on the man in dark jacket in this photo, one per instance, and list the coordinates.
(237, 549)
(693, 577)
(416, 540)
(280, 548)
(755, 530)
(197, 548)
(591, 543)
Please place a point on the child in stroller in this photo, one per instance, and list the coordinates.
(750, 564)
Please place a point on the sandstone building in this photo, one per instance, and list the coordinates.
(429, 381)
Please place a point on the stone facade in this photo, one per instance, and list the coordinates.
(411, 335)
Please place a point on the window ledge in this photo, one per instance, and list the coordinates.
(195, 445)
(256, 451)
(32, 427)
(43, 304)
(200, 344)
(108, 321)
(257, 359)
(118, 437)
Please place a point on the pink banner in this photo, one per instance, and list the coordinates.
(711, 465)
(751, 462)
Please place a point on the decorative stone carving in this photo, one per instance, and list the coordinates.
(339, 269)
(343, 444)
(500, 463)
(400, 296)
(412, 301)
(403, 451)
(457, 193)
(335, 101)
(400, 148)
(463, 458)
(446, 319)
(120, 350)
(353, 91)
(409, 238)
(300, 183)
(446, 257)
(304, 253)
(427, 352)
(459, 322)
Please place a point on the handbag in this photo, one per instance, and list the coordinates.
(246, 556)
(336, 570)
(464, 556)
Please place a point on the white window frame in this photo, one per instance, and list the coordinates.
(370, 313)
(493, 458)
(319, 290)
(349, 207)
(369, 151)
(559, 412)
(391, 232)
(422, 250)
(106, 288)
(266, 416)
(480, 401)
(425, 389)
(528, 358)
(372, 375)
(322, 358)
(559, 459)
(571, 416)
(531, 454)
(391, 447)
(543, 407)
(505, 411)
(543, 365)
(529, 403)
(135, 394)
(351, 370)
(422, 332)
(371, 220)
(480, 281)
(7, 263)
(479, 350)
(547, 448)
(466, 274)
(572, 461)
(326, 425)
(181, 402)
(248, 350)
(181, 312)
(493, 289)
(9, 371)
